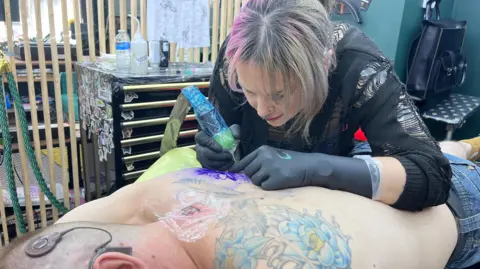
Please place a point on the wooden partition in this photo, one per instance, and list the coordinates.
(46, 83)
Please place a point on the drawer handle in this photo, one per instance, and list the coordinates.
(151, 122)
(163, 87)
(153, 138)
(146, 156)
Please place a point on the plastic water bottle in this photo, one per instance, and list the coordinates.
(123, 54)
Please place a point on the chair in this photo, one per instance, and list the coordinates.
(454, 111)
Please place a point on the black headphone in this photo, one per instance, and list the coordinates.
(42, 245)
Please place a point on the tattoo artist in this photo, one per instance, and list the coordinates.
(295, 87)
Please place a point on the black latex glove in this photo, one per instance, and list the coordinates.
(210, 154)
(273, 169)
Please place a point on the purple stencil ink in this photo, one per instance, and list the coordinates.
(219, 175)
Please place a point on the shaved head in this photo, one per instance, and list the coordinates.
(75, 249)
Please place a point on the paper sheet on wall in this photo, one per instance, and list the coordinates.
(185, 22)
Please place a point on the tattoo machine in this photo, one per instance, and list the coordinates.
(210, 120)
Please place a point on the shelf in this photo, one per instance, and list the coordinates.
(26, 108)
(43, 144)
(35, 78)
(22, 62)
(41, 126)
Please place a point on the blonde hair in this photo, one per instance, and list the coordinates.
(290, 37)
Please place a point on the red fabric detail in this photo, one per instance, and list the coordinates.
(360, 136)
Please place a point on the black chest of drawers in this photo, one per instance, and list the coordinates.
(123, 118)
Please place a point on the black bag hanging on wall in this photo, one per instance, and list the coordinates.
(436, 62)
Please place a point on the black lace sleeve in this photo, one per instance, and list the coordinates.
(227, 102)
(393, 127)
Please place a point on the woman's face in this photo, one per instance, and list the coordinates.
(269, 99)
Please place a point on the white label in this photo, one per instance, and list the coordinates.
(105, 94)
(141, 59)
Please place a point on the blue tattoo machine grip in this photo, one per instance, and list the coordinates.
(209, 119)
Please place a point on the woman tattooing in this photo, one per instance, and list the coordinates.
(294, 87)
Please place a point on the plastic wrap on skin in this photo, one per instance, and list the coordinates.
(195, 212)
(209, 119)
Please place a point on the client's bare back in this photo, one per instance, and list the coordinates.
(301, 228)
(227, 222)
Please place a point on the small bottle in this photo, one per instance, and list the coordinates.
(123, 54)
(165, 49)
(139, 60)
(154, 53)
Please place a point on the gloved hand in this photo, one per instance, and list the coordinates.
(273, 169)
(210, 154)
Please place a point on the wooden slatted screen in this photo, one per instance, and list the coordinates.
(222, 14)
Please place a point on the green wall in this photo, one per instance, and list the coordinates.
(382, 23)
(468, 10)
(409, 30)
(392, 25)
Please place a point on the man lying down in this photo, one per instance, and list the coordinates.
(202, 219)
(198, 218)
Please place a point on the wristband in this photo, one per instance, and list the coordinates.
(375, 168)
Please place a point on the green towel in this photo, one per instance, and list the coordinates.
(172, 129)
(63, 82)
(63, 85)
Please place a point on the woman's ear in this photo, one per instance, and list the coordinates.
(117, 260)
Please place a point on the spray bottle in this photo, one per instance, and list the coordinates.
(210, 120)
(139, 50)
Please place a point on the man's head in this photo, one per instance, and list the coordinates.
(152, 247)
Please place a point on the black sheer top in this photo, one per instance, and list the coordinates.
(364, 93)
